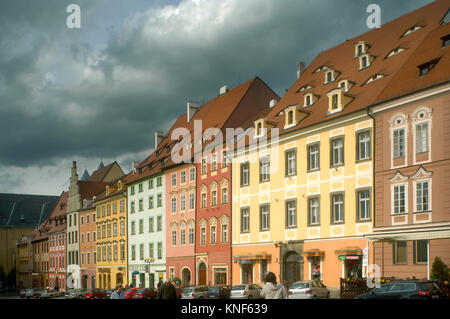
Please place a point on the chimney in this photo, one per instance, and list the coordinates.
(134, 166)
(300, 69)
(224, 89)
(272, 103)
(192, 108)
(158, 138)
(74, 175)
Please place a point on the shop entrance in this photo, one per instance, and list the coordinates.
(202, 274)
(353, 267)
(292, 267)
(247, 272)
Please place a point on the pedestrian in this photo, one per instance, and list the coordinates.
(272, 290)
(167, 290)
(118, 293)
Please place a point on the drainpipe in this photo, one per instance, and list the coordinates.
(428, 259)
(374, 186)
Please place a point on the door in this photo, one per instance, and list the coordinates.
(186, 277)
(202, 274)
(292, 267)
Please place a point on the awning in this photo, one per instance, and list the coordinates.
(246, 259)
(351, 250)
(410, 234)
(312, 253)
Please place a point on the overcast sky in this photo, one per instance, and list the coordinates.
(100, 92)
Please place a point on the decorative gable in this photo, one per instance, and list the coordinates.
(399, 178)
(422, 173)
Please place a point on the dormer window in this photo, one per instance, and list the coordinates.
(411, 30)
(304, 88)
(310, 99)
(330, 76)
(361, 48)
(290, 119)
(334, 101)
(319, 69)
(374, 78)
(425, 68)
(394, 52)
(338, 99)
(345, 85)
(365, 61)
(445, 40)
(446, 18)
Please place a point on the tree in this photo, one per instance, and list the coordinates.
(439, 270)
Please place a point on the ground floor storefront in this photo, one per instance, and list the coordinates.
(88, 278)
(108, 277)
(146, 275)
(252, 262)
(182, 268)
(329, 260)
(408, 252)
(57, 280)
(213, 268)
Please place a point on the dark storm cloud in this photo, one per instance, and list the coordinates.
(63, 95)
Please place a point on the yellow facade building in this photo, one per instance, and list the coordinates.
(111, 222)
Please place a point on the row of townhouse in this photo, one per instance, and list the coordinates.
(349, 168)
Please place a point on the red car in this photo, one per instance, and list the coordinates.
(142, 293)
(95, 294)
(129, 293)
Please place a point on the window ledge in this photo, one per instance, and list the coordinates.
(364, 221)
(314, 225)
(358, 161)
(423, 212)
(399, 214)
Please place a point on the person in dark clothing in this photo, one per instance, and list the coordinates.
(167, 290)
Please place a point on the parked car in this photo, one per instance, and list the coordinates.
(198, 292)
(95, 294)
(153, 293)
(76, 293)
(405, 289)
(129, 293)
(109, 293)
(45, 294)
(141, 293)
(29, 293)
(246, 291)
(308, 289)
(219, 292)
(22, 293)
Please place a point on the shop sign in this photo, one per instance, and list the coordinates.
(344, 257)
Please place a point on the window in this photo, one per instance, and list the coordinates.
(420, 250)
(337, 202)
(204, 200)
(245, 220)
(314, 211)
(337, 152)
(183, 203)
(290, 119)
(204, 166)
(122, 228)
(334, 101)
(174, 205)
(82, 238)
(259, 129)
(141, 188)
(400, 252)
(191, 236)
(364, 146)
(329, 77)
(114, 208)
(150, 202)
(70, 220)
(203, 236)
(93, 236)
(150, 184)
(81, 220)
(159, 250)
(109, 253)
(214, 163)
(98, 232)
(150, 225)
(141, 205)
(103, 231)
(159, 223)
(151, 252)
(82, 259)
(364, 62)
(264, 169)
(133, 252)
(191, 201)
(141, 226)
(183, 236)
(291, 162)
(159, 181)
(399, 143)
(224, 233)
(192, 174)
(422, 138)
(291, 213)
(174, 237)
(422, 196)
(132, 190)
(308, 100)
(446, 40)
(115, 229)
(88, 237)
(245, 174)
(93, 217)
(174, 179)
(313, 157)
(411, 30)
(213, 234)
(360, 49)
(363, 205)
(99, 253)
(133, 228)
(225, 195)
(159, 200)
(264, 218)
(399, 199)
(108, 210)
(132, 209)
(88, 258)
(122, 206)
(115, 253)
(214, 198)
(183, 177)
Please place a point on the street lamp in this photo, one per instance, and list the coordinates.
(149, 261)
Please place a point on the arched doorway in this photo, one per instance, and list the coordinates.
(292, 265)
(93, 282)
(84, 282)
(186, 277)
(119, 279)
(202, 274)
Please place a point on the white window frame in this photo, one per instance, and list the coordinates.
(426, 180)
(393, 206)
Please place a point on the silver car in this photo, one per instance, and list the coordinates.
(245, 291)
(75, 293)
(199, 292)
(308, 289)
(45, 294)
(29, 293)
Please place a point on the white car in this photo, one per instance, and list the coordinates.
(245, 291)
(308, 289)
